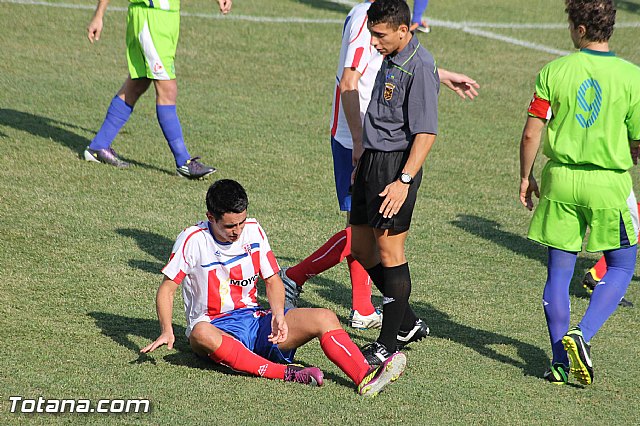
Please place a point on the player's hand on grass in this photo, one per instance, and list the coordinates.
(462, 84)
(394, 195)
(527, 187)
(94, 29)
(164, 339)
(279, 329)
(225, 6)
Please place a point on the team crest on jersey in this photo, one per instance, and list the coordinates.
(388, 91)
(247, 249)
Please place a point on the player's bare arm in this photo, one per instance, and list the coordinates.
(225, 6)
(164, 309)
(350, 98)
(463, 85)
(529, 145)
(396, 192)
(94, 29)
(275, 295)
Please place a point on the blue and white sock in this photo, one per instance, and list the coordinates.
(172, 130)
(611, 288)
(118, 114)
(555, 300)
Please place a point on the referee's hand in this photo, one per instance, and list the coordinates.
(394, 195)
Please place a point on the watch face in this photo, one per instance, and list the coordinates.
(405, 178)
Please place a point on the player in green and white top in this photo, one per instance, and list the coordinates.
(591, 102)
(153, 28)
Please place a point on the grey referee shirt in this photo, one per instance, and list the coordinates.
(404, 101)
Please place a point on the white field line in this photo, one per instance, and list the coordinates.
(473, 28)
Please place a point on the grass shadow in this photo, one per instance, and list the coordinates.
(151, 243)
(58, 131)
(490, 230)
(533, 360)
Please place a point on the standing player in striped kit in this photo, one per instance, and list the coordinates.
(358, 65)
(218, 263)
(153, 27)
(591, 102)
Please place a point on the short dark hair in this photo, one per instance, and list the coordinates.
(597, 16)
(391, 12)
(226, 196)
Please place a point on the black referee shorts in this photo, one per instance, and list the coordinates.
(375, 171)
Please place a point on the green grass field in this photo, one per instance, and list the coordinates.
(82, 244)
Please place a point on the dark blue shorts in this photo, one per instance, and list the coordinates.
(342, 169)
(252, 326)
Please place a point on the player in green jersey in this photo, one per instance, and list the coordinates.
(590, 101)
(153, 27)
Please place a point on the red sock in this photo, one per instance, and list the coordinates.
(599, 269)
(329, 255)
(360, 288)
(339, 348)
(234, 354)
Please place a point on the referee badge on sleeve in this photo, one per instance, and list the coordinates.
(388, 91)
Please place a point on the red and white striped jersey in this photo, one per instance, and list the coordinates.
(356, 52)
(219, 277)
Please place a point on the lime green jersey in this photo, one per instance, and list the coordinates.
(594, 101)
(159, 4)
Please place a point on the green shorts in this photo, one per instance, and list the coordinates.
(573, 198)
(152, 40)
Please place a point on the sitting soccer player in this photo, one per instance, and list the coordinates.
(218, 263)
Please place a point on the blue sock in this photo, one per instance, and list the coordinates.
(419, 6)
(170, 124)
(611, 288)
(118, 114)
(555, 299)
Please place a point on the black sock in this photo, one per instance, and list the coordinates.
(377, 276)
(397, 288)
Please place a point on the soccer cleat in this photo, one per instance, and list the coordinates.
(625, 303)
(106, 156)
(422, 27)
(291, 290)
(363, 322)
(379, 377)
(558, 374)
(375, 353)
(579, 353)
(418, 332)
(306, 375)
(193, 169)
(589, 282)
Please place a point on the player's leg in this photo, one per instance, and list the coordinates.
(335, 250)
(555, 301)
(417, 21)
(397, 284)
(595, 274)
(609, 290)
(208, 341)
(117, 116)
(305, 324)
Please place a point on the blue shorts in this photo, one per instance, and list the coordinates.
(252, 326)
(342, 169)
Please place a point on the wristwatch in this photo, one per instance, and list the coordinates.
(406, 178)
